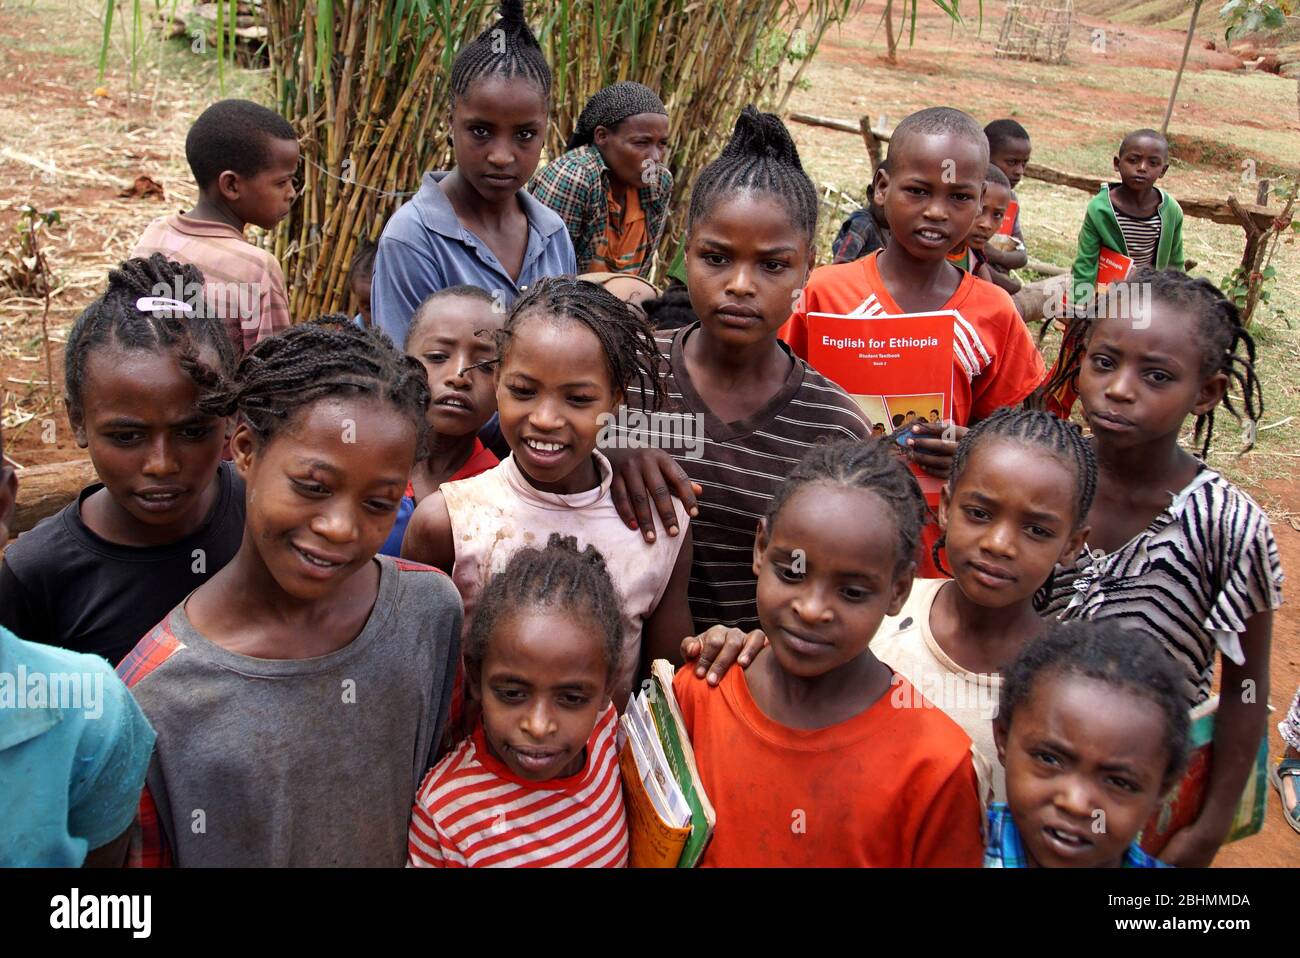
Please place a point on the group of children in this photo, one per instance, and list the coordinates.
(379, 593)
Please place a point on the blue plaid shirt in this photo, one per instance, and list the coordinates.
(1006, 849)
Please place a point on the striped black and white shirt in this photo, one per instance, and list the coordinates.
(740, 465)
(1192, 578)
(1141, 236)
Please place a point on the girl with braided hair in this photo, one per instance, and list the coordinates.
(611, 187)
(1175, 548)
(758, 408)
(568, 355)
(476, 224)
(542, 656)
(1012, 508)
(167, 512)
(812, 756)
(299, 694)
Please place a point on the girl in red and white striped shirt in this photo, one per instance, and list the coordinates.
(536, 784)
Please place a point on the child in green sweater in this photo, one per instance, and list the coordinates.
(1128, 225)
(1133, 217)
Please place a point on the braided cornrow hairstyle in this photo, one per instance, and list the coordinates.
(329, 356)
(507, 48)
(113, 319)
(610, 106)
(1040, 430)
(760, 157)
(625, 335)
(1226, 346)
(1105, 651)
(866, 464)
(560, 576)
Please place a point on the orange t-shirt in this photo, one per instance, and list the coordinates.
(995, 361)
(891, 787)
(625, 245)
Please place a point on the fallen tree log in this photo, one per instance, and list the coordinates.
(44, 490)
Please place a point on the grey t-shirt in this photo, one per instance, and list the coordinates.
(288, 762)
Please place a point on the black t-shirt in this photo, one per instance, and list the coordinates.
(63, 585)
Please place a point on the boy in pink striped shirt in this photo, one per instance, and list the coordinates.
(536, 784)
(244, 158)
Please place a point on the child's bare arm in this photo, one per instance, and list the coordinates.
(428, 534)
(1243, 713)
(1006, 259)
(671, 621)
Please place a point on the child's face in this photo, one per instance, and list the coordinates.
(1007, 522)
(552, 387)
(878, 430)
(360, 287)
(323, 491)
(993, 207)
(543, 684)
(1085, 764)
(498, 128)
(745, 265)
(1140, 379)
(931, 193)
(1140, 162)
(1011, 157)
(824, 584)
(153, 450)
(452, 334)
(266, 197)
(636, 148)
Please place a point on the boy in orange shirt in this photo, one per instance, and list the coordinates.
(931, 187)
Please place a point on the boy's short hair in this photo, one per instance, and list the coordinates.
(936, 121)
(1000, 132)
(1145, 133)
(994, 174)
(464, 291)
(233, 135)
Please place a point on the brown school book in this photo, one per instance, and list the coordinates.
(669, 818)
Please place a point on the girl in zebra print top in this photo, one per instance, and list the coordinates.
(1174, 548)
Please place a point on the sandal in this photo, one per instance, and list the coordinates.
(1288, 768)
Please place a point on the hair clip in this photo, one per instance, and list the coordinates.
(153, 304)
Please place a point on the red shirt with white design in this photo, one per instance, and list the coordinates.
(471, 811)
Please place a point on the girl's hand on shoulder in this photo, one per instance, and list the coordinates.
(644, 483)
(933, 445)
(718, 649)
